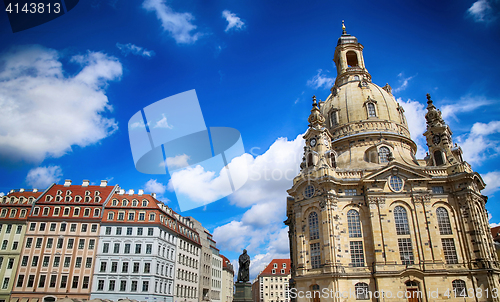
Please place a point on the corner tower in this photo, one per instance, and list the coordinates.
(366, 216)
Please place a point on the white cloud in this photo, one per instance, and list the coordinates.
(153, 186)
(478, 145)
(234, 22)
(484, 10)
(492, 180)
(321, 81)
(45, 111)
(492, 224)
(178, 161)
(2, 194)
(42, 177)
(404, 83)
(162, 123)
(465, 104)
(415, 116)
(179, 25)
(135, 50)
(261, 228)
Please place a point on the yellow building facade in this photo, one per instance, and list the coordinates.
(369, 221)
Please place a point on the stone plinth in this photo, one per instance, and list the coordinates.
(243, 292)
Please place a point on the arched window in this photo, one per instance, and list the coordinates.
(352, 59)
(313, 226)
(371, 110)
(443, 221)
(383, 154)
(309, 160)
(438, 157)
(334, 120)
(401, 220)
(353, 224)
(111, 215)
(459, 288)
(333, 160)
(361, 289)
(96, 212)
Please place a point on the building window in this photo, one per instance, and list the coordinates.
(137, 248)
(111, 216)
(72, 227)
(64, 281)
(315, 255)
(139, 231)
(24, 262)
(91, 244)
(31, 281)
(405, 251)
(118, 231)
(121, 215)
(29, 241)
(438, 157)
(20, 281)
(133, 287)
(357, 256)
(52, 227)
(127, 248)
(123, 285)
(371, 110)
(129, 231)
(108, 231)
(383, 154)
(131, 216)
(150, 231)
(15, 245)
(42, 227)
(437, 190)
(34, 262)
(334, 119)
(145, 286)
(149, 248)
(125, 267)
(313, 226)
(57, 259)
(100, 285)
(53, 280)
(10, 264)
(45, 262)
(443, 221)
(66, 211)
(78, 262)
(75, 282)
(67, 261)
(105, 248)
(396, 183)
(103, 266)
(401, 221)
(361, 289)
(60, 242)
(136, 267)
(41, 282)
(111, 285)
(116, 248)
(86, 280)
(114, 267)
(459, 288)
(142, 217)
(147, 268)
(151, 217)
(450, 254)
(38, 243)
(62, 228)
(353, 224)
(88, 263)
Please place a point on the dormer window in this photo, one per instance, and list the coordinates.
(134, 203)
(47, 198)
(383, 154)
(115, 202)
(371, 110)
(144, 203)
(59, 192)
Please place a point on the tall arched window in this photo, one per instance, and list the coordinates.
(352, 59)
(371, 110)
(361, 289)
(383, 154)
(309, 160)
(333, 160)
(459, 288)
(313, 226)
(443, 221)
(438, 157)
(401, 221)
(353, 224)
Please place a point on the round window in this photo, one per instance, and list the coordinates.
(396, 183)
(309, 191)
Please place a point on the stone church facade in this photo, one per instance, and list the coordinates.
(369, 221)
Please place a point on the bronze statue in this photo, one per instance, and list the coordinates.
(244, 270)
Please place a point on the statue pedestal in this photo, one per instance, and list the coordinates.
(243, 292)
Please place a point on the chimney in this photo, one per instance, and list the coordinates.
(121, 192)
(67, 182)
(12, 191)
(130, 192)
(154, 195)
(35, 190)
(21, 190)
(85, 183)
(141, 192)
(104, 183)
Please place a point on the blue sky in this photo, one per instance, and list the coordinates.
(69, 87)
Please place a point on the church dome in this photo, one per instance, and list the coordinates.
(360, 106)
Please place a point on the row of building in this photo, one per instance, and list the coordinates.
(101, 242)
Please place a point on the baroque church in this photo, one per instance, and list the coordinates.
(367, 219)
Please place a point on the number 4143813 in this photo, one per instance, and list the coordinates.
(34, 8)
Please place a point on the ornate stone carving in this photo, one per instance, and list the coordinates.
(422, 198)
(373, 199)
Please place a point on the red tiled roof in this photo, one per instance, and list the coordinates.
(268, 271)
(77, 191)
